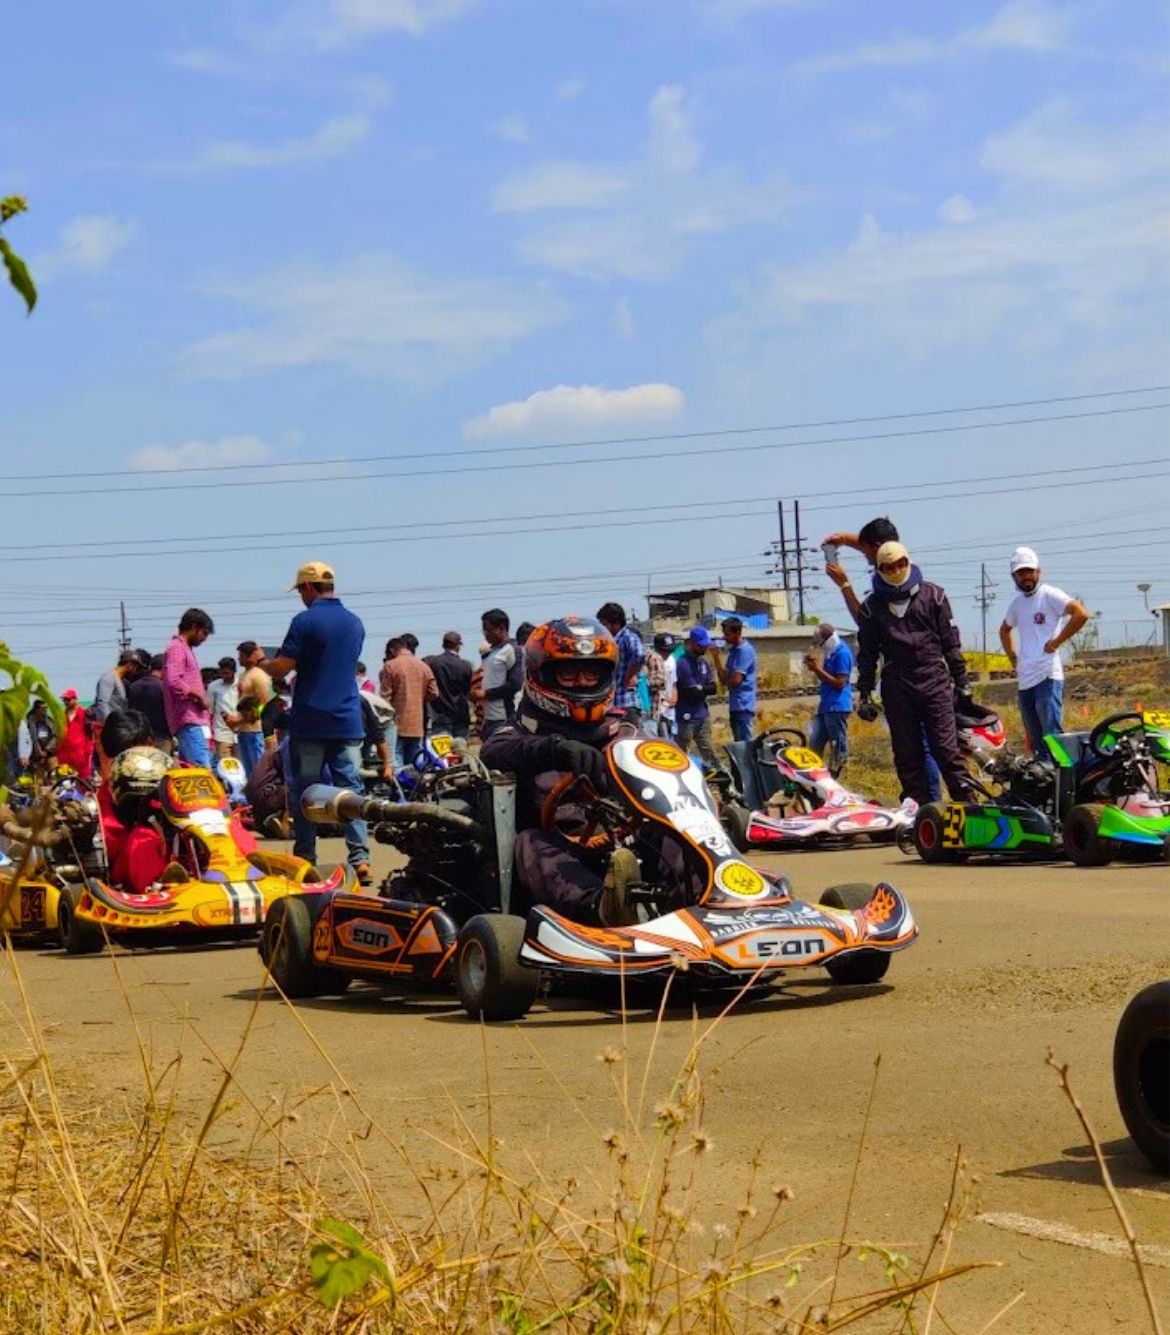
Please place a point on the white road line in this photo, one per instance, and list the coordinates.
(1151, 1193)
(1051, 1231)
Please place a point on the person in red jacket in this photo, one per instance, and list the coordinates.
(75, 747)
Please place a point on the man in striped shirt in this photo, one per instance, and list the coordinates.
(631, 656)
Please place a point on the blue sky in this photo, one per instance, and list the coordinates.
(286, 231)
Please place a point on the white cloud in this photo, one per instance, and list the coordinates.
(1018, 25)
(370, 315)
(86, 244)
(622, 320)
(512, 129)
(559, 185)
(577, 408)
(674, 150)
(956, 209)
(201, 454)
(332, 139)
(568, 89)
(349, 19)
(1052, 147)
(637, 219)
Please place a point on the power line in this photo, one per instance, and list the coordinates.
(67, 551)
(625, 458)
(612, 440)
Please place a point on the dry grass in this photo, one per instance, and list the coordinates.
(129, 1219)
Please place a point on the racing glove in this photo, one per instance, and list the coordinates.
(580, 758)
(867, 710)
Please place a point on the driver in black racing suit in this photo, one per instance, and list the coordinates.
(562, 727)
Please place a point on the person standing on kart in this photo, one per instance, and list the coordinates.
(562, 727)
(1043, 617)
(323, 645)
(906, 624)
(831, 721)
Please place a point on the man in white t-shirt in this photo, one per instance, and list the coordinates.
(1043, 617)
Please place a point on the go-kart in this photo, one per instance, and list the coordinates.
(50, 838)
(1094, 797)
(453, 913)
(1141, 1072)
(779, 767)
(210, 890)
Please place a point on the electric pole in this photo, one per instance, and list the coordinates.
(984, 598)
(790, 559)
(123, 628)
(799, 563)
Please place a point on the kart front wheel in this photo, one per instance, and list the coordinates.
(928, 835)
(859, 966)
(286, 947)
(491, 982)
(76, 937)
(1082, 840)
(736, 820)
(1141, 1072)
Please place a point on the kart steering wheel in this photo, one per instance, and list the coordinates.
(598, 833)
(799, 737)
(1127, 724)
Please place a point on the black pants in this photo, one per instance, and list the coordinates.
(912, 713)
(552, 873)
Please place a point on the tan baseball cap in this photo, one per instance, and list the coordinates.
(313, 572)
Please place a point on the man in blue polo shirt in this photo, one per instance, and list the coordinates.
(323, 645)
(831, 723)
(738, 673)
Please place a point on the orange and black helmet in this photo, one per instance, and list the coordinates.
(570, 642)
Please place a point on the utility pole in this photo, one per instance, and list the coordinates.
(799, 563)
(783, 551)
(123, 628)
(984, 598)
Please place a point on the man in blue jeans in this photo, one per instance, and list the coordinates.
(831, 721)
(738, 673)
(323, 645)
(1043, 617)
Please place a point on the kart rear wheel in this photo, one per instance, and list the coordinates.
(736, 820)
(286, 947)
(928, 835)
(1141, 1072)
(491, 982)
(1081, 840)
(860, 966)
(76, 937)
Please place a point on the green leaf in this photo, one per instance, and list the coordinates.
(18, 274)
(340, 1272)
(11, 205)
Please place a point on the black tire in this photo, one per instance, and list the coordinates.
(735, 820)
(1081, 841)
(859, 966)
(928, 835)
(491, 982)
(1141, 1072)
(75, 936)
(286, 947)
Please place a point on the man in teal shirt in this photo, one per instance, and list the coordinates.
(738, 673)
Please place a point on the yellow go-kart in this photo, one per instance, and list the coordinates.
(212, 887)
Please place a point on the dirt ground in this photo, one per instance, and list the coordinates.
(1012, 961)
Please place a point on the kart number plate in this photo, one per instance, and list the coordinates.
(192, 790)
(803, 757)
(32, 906)
(442, 744)
(1157, 718)
(954, 822)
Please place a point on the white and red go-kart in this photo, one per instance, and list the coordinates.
(819, 809)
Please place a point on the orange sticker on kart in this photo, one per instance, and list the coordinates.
(737, 878)
(663, 755)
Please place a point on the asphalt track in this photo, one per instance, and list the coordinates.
(1013, 960)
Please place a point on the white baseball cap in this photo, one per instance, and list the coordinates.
(1024, 558)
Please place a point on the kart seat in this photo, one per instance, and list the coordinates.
(757, 780)
(1074, 745)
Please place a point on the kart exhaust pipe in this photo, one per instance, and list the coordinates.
(325, 805)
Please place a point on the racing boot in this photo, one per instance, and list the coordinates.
(613, 904)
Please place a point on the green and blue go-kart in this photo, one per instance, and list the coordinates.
(1094, 798)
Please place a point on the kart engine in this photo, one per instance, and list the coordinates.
(1025, 778)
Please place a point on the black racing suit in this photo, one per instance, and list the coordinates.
(549, 869)
(922, 668)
